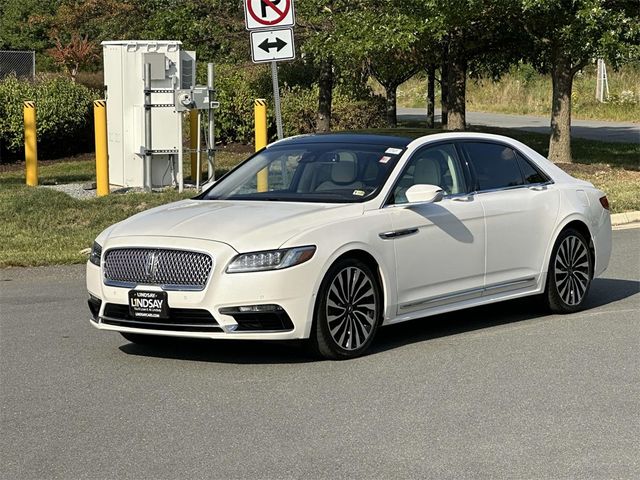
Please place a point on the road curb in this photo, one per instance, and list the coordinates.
(625, 218)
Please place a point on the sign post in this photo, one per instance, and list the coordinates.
(270, 25)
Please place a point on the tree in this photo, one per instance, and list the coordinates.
(392, 70)
(565, 36)
(318, 21)
(78, 52)
(471, 34)
(19, 32)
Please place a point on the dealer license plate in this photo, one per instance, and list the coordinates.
(148, 305)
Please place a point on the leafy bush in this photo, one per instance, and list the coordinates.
(63, 111)
(237, 88)
(300, 107)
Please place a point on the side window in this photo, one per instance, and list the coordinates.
(529, 172)
(438, 165)
(495, 166)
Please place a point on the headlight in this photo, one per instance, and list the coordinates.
(96, 254)
(270, 259)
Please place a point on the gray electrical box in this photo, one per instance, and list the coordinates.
(171, 68)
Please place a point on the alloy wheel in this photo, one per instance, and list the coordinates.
(351, 308)
(571, 270)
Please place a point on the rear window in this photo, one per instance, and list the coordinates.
(495, 166)
(529, 172)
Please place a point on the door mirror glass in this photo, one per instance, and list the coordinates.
(422, 193)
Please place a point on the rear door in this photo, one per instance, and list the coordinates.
(520, 207)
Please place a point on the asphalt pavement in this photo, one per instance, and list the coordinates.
(505, 391)
(625, 132)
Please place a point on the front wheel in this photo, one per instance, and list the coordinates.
(348, 310)
(570, 273)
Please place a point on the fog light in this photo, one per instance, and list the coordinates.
(259, 308)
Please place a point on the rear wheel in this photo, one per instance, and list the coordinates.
(348, 311)
(570, 273)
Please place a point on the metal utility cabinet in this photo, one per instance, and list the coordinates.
(171, 69)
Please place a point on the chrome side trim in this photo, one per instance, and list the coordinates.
(509, 285)
(398, 233)
(468, 294)
(474, 292)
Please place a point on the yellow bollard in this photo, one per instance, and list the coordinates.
(30, 143)
(102, 156)
(260, 109)
(193, 142)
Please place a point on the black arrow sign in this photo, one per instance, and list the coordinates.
(266, 45)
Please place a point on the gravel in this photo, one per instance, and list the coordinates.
(86, 191)
(75, 190)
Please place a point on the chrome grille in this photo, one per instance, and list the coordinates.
(172, 269)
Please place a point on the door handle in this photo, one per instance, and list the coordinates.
(398, 233)
(538, 188)
(463, 198)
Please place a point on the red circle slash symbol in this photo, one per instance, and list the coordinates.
(266, 5)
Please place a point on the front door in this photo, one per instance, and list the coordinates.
(439, 247)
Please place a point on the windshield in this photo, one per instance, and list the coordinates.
(309, 172)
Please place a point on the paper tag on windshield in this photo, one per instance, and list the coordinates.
(359, 193)
(393, 151)
(384, 159)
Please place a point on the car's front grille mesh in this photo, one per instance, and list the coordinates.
(152, 266)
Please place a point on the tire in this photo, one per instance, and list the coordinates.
(348, 310)
(570, 273)
(141, 339)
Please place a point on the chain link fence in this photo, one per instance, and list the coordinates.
(22, 63)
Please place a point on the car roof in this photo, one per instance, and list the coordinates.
(355, 138)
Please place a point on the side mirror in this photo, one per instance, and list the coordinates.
(424, 194)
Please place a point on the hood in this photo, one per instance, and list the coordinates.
(245, 226)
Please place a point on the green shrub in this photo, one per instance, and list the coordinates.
(63, 115)
(300, 108)
(237, 88)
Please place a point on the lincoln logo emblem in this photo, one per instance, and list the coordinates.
(151, 266)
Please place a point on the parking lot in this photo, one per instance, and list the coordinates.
(505, 391)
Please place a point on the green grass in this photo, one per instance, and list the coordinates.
(522, 91)
(43, 227)
(584, 151)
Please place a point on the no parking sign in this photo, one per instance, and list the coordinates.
(260, 14)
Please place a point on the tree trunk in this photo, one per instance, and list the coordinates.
(392, 118)
(560, 141)
(325, 96)
(431, 95)
(444, 86)
(456, 104)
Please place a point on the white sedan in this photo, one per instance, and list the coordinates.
(328, 237)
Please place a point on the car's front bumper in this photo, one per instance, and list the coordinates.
(291, 289)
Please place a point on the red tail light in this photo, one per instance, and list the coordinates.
(604, 202)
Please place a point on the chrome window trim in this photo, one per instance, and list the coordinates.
(451, 196)
(515, 187)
